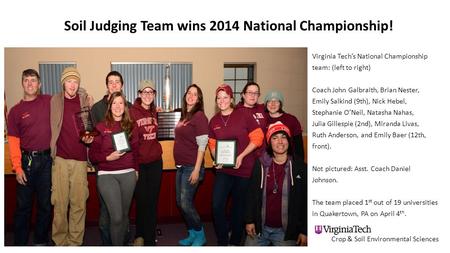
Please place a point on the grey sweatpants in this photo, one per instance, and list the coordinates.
(117, 192)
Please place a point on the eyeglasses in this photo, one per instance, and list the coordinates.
(252, 93)
(147, 93)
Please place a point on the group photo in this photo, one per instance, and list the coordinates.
(155, 147)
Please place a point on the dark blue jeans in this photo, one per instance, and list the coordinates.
(225, 185)
(39, 181)
(185, 196)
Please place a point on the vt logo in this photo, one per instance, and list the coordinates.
(149, 128)
(318, 229)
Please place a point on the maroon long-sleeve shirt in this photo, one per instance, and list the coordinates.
(103, 146)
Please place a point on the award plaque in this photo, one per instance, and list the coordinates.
(226, 152)
(120, 142)
(84, 124)
(167, 121)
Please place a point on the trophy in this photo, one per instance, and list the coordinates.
(84, 124)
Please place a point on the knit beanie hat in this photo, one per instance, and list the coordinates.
(275, 128)
(70, 73)
(274, 95)
(146, 84)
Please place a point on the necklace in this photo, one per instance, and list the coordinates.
(275, 184)
(225, 122)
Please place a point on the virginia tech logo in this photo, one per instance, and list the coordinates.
(318, 229)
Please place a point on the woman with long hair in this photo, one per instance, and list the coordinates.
(117, 170)
(191, 138)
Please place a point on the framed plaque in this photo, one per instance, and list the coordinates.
(226, 152)
(167, 121)
(120, 142)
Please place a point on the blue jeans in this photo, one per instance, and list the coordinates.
(269, 235)
(185, 196)
(39, 180)
(223, 186)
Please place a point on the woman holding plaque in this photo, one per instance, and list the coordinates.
(191, 138)
(234, 136)
(143, 113)
(114, 152)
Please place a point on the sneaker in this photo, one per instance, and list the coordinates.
(199, 239)
(138, 241)
(188, 240)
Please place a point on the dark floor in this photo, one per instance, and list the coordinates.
(169, 235)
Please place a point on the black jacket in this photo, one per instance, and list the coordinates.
(297, 199)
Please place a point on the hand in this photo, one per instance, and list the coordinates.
(90, 100)
(114, 156)
(218, 166)
(193, 179)
(87, 139)
(239, 159)
(21, 178)
(250, 228)
(137, 174)
(302, 240)
(159, 109)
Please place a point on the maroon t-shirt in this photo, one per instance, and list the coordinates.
(273, 200)
(102, 146)
(290, 121)
(30, 121)
(185, 148)
(235, 126)
(69, 144)
(258, 114)
(261, 117)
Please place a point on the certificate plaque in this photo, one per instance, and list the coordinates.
(120, 142)
(226, 152)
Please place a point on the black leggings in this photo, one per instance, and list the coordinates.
(147, 195)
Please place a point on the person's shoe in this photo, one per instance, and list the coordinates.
(200, 238)
(138, 241)
(188, 240)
